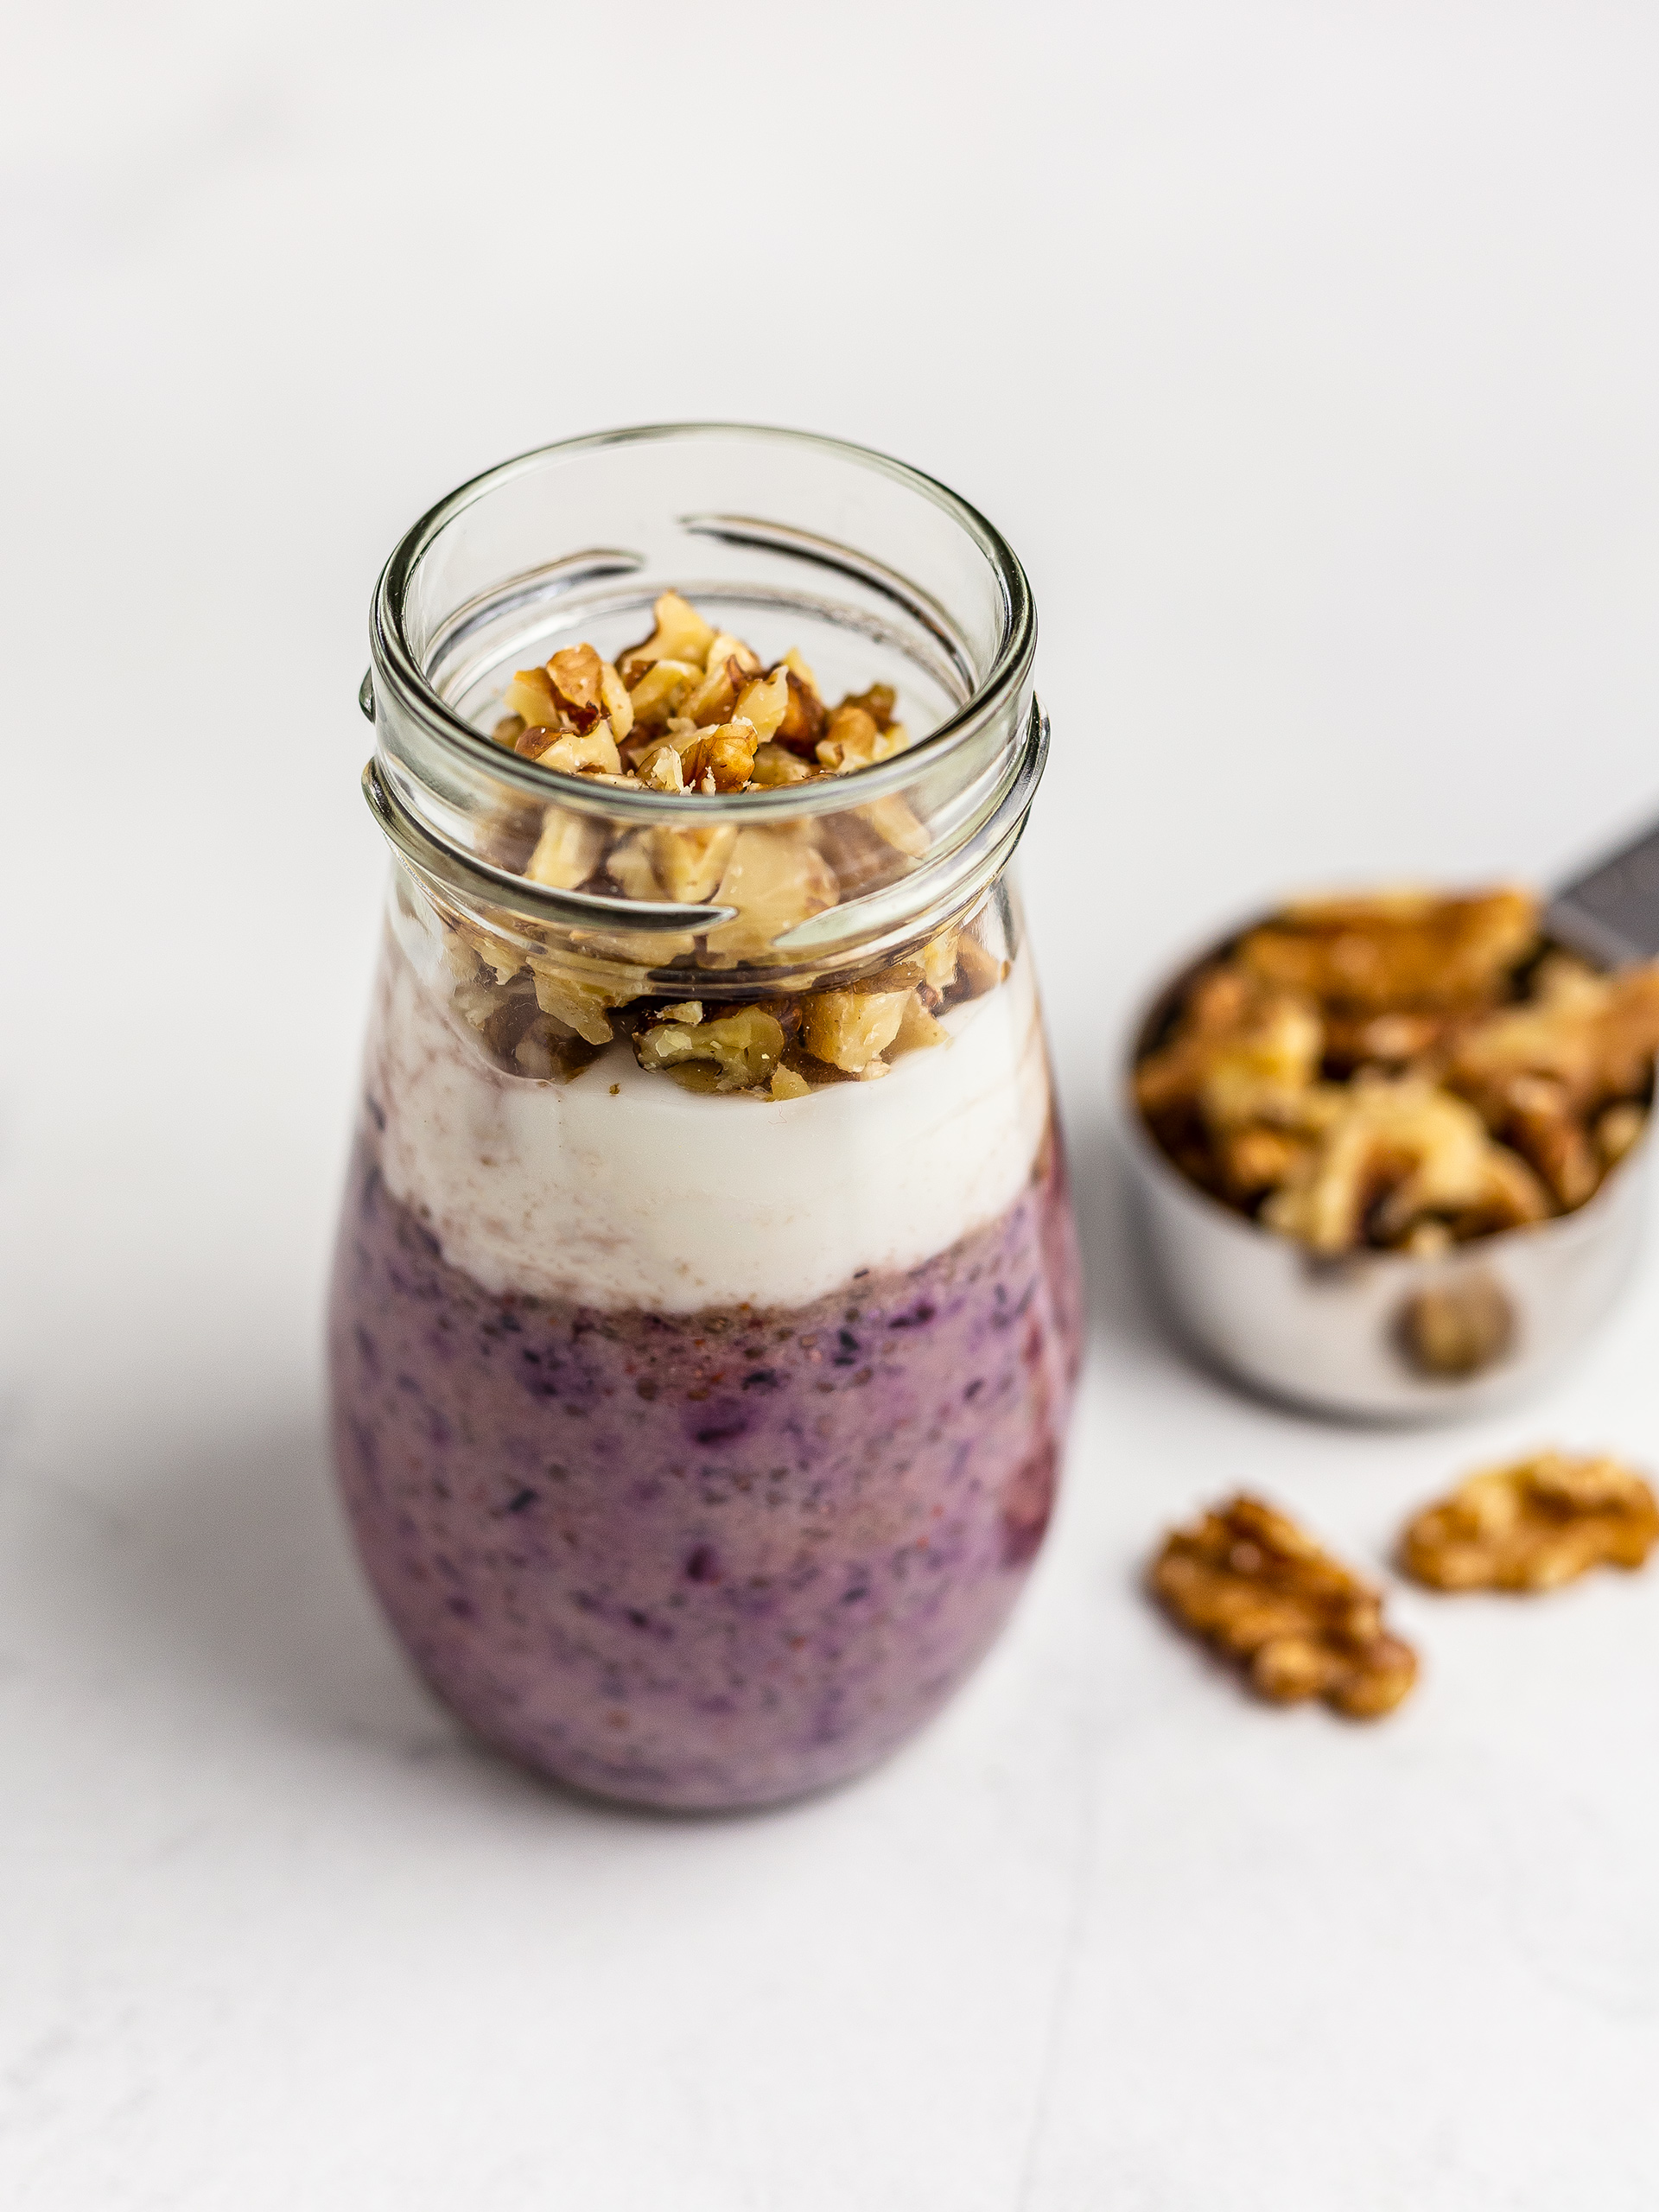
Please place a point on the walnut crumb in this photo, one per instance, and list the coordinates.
(1534, 1525)
(1247, 1578)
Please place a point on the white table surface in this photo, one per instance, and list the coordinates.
(1309, 355)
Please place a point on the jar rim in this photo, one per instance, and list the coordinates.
(394, 658)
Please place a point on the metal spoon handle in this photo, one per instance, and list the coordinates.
(1612, 913)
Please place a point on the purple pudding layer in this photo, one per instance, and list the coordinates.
(708, 1560)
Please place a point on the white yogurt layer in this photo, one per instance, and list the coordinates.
(659, 1199)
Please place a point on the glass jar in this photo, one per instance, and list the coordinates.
(705, 1318)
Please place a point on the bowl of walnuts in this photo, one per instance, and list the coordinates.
(1390, 1147)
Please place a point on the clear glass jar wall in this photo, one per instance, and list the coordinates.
(705, 1314)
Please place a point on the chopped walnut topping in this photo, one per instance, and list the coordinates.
(693, 712)
(568, 1012)
(518, 1036)
(1534, 1525)
(851, 740)
(1246, 1578)
(687, 677)
(472, 947)
(878, 703)
(688, 713)
(892, 820)
(629, 866)
(724, 647)
(1403, 1071)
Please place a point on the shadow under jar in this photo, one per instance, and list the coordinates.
(698, 1439)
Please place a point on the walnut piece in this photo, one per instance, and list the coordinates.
(1534, 1525)
(681, 634)
(660, 691)
(775, 765)
(722, 758)
(579, 1002)
(614, 696)
(1391, 1154)
(714, 699)
(762, 702)
(804, 715)
(918, 1031)
(530, 696)
(741, 1049)
(567, 850)
(893, 820)
(575, 674)
(851, 1029)
(1413, 948)
(577, 752)
(776, 879)
(662, 769)
(939, 960)
(1246, 1578)
(689, 862)
(977, 966)
(1584, 1040)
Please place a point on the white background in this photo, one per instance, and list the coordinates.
(1309, 353)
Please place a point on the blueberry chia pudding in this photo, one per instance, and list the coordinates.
(702, 1365)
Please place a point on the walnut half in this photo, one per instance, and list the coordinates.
(1246, 1578)
(1534, 1525)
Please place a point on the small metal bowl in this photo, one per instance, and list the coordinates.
(1379, 1336)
